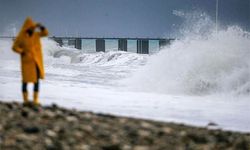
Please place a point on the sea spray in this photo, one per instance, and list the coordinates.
(199, 63)
(50, 47)
(6, 52)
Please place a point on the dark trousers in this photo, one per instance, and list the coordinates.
(36, 84)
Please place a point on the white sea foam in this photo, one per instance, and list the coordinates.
(214, 63)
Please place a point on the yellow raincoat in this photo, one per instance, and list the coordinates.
(29, 47)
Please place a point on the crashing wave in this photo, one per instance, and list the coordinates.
(200, 64)
(101, 58)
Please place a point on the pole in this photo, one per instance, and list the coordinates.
(216, 17)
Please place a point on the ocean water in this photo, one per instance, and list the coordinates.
(202, 77)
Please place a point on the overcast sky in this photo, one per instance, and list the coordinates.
(116, 18)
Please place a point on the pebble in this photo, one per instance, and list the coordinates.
(115, 139)
(141, 148)
(9, 142)
(51, 133)
(82, 147)
(58, 112)
(183, 133)
(24, 113)
(87, 128)
(24, 137)
(167, 130)
(31, 130)
(57, 128)
(78, 134)
(71, 119)
(146, 125)
(144, 133)
(111, 147)
(212, 124)
(54, 106)
(123, 120)
(48, 142)
(49, 114)
(87, 116)
(11, 115)
(127, 147)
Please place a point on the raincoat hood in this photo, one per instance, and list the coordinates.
(28, 23)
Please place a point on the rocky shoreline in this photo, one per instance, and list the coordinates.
(55, 128)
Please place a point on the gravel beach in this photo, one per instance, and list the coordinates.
(55, 128)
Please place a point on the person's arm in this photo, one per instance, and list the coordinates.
(17, 46)
(43, 31)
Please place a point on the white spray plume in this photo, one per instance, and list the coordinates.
(201, 62)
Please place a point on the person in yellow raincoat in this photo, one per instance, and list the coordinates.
(28, 45)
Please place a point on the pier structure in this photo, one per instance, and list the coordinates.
(142, 43)
(100, 45)
(123, 44)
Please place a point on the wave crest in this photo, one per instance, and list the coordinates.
(216, 63)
